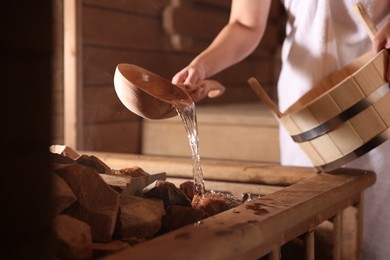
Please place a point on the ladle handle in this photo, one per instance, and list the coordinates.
(365, 19)
(264, 97)
(215, 88)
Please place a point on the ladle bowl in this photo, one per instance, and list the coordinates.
(150, 95)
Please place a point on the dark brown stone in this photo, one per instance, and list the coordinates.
(177, 216)
(65, 151)
(210, 204)
(73, 237)
(94, 162)
(132, 172)
(58, 161)
(188, 188)
(118, 182)
(139, 217)
(97, 204)
(62, 195)
(169, 193)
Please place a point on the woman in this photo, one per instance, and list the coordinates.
(321, 37)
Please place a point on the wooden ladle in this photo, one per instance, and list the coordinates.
(151, 96)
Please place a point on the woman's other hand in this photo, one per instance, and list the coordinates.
(382, 41)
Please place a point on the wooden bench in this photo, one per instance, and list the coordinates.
(298, 203)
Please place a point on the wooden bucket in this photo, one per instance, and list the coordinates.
(343, 116)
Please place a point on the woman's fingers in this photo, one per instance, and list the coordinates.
(180, 77)
(199, 92)
(382, 37)
(382, 41)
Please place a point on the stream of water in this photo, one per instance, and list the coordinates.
(187, 112)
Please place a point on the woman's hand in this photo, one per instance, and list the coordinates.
(382, 41)
(190, 77)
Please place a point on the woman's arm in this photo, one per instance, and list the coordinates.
(242, 34)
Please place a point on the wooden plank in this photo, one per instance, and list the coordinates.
(222, 141)
(347, 94)
(310, 245)
(324, 109)
(337, 226)
(57, 94)
(360, 224)
(253, 114)
(100, 66)
(382, 108)
(368, 124)
(102, 105)
(241, 72)
(326, 148)
(346, 138)
(312, 153)
(307, 147)
(277, 217)
(304, 120)
(369, 78)
(349, 233)
(72, 73)
(191, 21)
(178, 20)
(115, 137)
(219, 3)
(265, 50)
(381, 64)
(100, 63)
(238, 132)
(225, 170)
(146, 7)
(106, 28)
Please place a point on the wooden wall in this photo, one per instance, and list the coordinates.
(162, 36)
(57, 111)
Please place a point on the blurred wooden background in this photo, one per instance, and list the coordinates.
(162, 36)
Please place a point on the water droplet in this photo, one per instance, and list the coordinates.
(197, 223)
(145, 77)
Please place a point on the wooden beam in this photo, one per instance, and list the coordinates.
(72, 77)
(223, 170)
(310, 243)
(337, 226)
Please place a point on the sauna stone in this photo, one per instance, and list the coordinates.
(139, 217)
(73, 238)
(93, 162)
(178, 216)
(63, 196)
(58, 161)
(169, 193)
(117, 182)
(97, 204)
